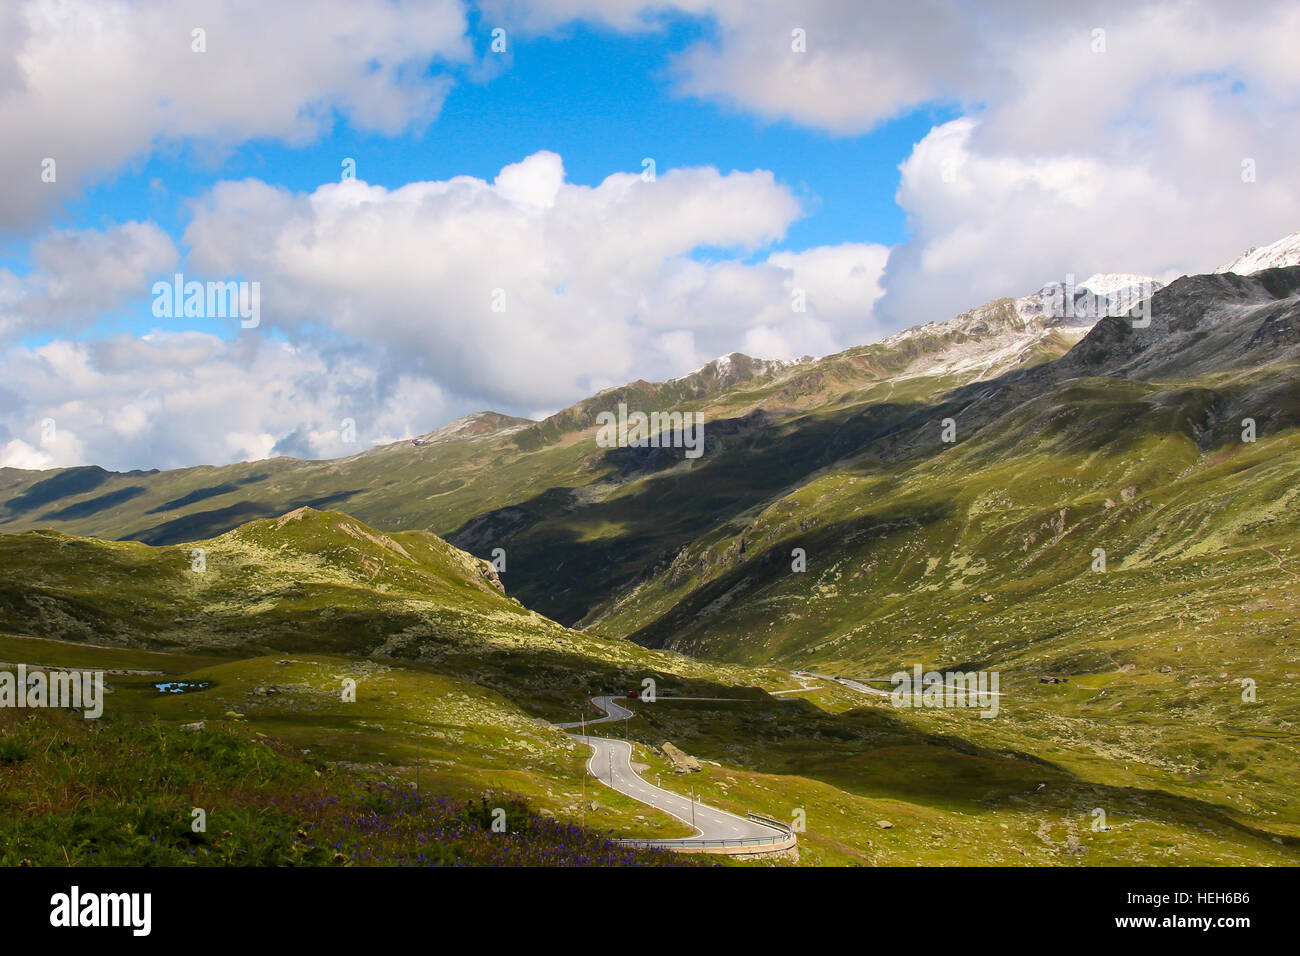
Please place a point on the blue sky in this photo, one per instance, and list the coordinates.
(897, 166)
(602, 100)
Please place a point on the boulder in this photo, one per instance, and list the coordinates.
(682, 762)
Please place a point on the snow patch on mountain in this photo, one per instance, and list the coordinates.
(725, 370)
(1108, 283)
(1081, 305)
(476, 425)
(1003, 333)
(1276, 255)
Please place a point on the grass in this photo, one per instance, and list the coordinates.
(975, 555)
(112, 793)
(465, 711)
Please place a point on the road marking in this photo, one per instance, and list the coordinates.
(615, 712)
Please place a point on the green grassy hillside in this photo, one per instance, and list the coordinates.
(456, 686)
(1157, 690)
(546, 492)
(982, 557)
(73, 794)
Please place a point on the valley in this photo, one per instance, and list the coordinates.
(1112, 531)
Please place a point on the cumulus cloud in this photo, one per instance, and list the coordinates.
(402, 308)
(1176, 158)
(170, 400)
(994, 225)
(840, 65)
(78, 275)
(1098, 136)
(92, 84)
(529, 291)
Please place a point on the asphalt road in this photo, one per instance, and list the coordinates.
(612, 711)
(851, 684)
(611, 764)
(857, 685)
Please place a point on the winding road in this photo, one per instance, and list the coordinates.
(611, 764)
(851, 684)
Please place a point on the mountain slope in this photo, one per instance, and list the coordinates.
(979, 553)
(983, 553)
(1127, 410)
(307, 576)
(455, 710)
(1276, 255)
(580, 523)
(545, 491)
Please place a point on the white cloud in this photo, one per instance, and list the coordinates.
(78, 275)
(596, 284)
(842, 284)
(1104, 135)
(989, 223)
(1066, 160)
(386, 300)
(171, 400)
(95, 83)
(863, 61)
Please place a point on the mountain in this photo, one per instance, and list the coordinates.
(580, 524)
(545, 491)
(477, 425)
(1170, 454)
(1285, 252)
(1112, 530)
(700, 388)
(245, 666)
(1199, 325)
(1218, 349)
(1081, 305)
(307, 581)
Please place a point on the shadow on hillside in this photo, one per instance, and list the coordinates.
(769, 563)
(73, 481)
(546, 536)
(598, 548)
(84, 509)
(868, 751)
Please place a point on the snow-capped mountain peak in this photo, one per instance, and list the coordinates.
(1081, 304)
(1284, 252)
(1106, 283)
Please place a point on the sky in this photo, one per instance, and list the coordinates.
(445, 206)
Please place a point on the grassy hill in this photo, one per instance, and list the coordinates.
(1157, 690)
(545, 492)
(72, 794)
(308, 580)
(456, 686)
